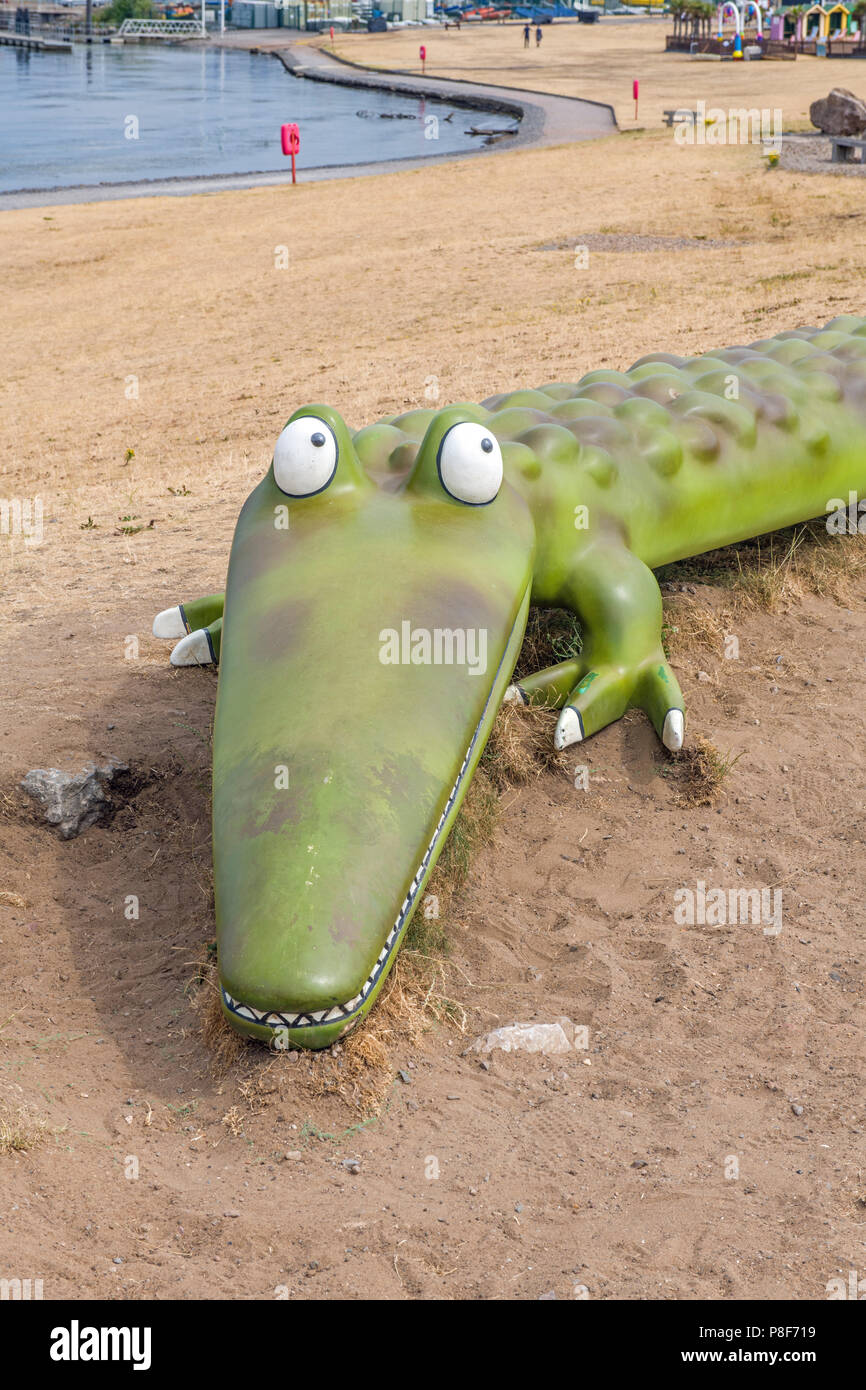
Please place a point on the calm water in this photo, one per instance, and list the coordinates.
(63, 117)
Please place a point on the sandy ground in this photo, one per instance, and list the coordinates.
(709, 1143)
(600, 62)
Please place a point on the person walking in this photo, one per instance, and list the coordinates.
(538, 36)
(526, 36)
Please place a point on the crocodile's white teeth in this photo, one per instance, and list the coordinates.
(568, 729)
(194, 650)
(169, 623)
(674, 728)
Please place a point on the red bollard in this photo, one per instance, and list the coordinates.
(422, 54)
(291, 140)
(635, 87)
(332, 36)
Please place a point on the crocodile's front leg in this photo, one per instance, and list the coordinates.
(199, 626)
(622, 664)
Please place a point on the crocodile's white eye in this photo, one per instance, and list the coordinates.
(305, 457)
(470, 464)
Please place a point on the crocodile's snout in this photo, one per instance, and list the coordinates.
(365, 651)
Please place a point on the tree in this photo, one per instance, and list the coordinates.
(119, 10)
(795, 13)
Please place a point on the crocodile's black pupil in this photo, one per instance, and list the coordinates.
(487, 446)
(318, 439)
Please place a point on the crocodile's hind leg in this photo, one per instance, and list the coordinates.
(199, 626)
(622, 664)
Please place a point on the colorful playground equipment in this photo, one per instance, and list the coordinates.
(741, 19)
(733, 29)
(753, 8)
(724, 10)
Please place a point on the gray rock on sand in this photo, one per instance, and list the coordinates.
(71, 800)
(549, 1038)
(840, 113)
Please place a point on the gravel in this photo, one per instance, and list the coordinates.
(811, 154)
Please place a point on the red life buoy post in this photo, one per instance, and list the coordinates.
(291, 141)
(422, 54)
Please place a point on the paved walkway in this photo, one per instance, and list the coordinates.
(545, 118)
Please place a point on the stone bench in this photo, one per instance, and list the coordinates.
(683, 113)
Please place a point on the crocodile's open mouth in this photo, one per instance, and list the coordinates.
(281, 1018)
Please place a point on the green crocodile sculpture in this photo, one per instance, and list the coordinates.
(377, 594)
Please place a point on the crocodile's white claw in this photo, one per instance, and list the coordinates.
(169, 623)
(674, 728)
(514, 696)
(193, 650)
(568, 729)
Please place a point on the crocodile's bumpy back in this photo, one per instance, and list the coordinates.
(682, 454)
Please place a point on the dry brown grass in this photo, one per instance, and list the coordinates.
(690, 623)
(9, 899)
(226, 1047)
(760, 576)
(783, 566)
(700, 771)
(521, 746)
(791, 564)
(21, 1131)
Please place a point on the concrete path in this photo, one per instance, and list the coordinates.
(544, 118)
